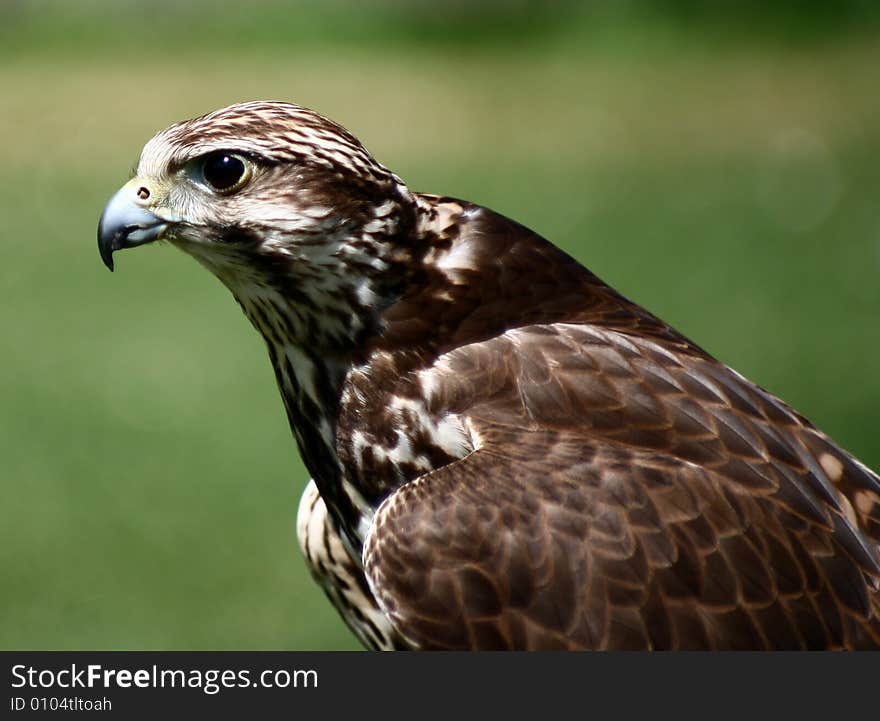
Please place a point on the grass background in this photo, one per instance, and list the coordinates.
(718, 162)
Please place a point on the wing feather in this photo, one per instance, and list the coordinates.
(626, 495)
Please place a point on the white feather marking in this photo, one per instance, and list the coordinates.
(365, 294)
(446, 433)
(459, 257)
(384, 209)
(451, 437)
(428, 382)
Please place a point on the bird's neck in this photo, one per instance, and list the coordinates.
(316, 317)
(310, 379)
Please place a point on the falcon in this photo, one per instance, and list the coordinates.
(505, 452)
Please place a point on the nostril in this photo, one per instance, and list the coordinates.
(143, 193)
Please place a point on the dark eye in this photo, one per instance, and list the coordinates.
(225, 172)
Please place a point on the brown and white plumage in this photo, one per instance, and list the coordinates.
(505, 452)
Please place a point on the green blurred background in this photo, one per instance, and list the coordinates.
(718, 162)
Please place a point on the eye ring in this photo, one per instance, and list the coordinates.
(225, 172)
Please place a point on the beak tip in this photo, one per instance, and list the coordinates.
(106, 249)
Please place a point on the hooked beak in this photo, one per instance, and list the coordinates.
(126, 223)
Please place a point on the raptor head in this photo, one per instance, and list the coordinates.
(280, 203)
